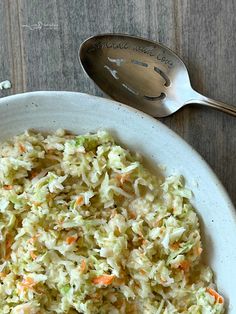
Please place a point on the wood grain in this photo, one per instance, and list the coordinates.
(201, 32)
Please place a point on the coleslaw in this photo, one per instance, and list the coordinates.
(86, 228)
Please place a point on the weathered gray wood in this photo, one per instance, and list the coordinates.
(45, 56)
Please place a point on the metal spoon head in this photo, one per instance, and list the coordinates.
(137, 72)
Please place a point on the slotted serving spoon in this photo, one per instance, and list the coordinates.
(142, 74)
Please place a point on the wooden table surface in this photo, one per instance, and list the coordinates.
(39, 42)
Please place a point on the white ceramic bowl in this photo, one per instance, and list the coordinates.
(82, 113)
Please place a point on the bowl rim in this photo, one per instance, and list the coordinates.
(141, 115)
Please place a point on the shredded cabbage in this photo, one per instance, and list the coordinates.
(86, 228)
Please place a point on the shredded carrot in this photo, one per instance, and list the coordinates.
(71, 240)
(83, 266)
(33, 239)
(2, 275)
(142, 271)
(27, 283)
(33, 174)
(185, 265)
(8, 187)
(123, 177)
(33, 255)
(132, 215)
(79, 200)
(175, 245)
(197, 251)
(216, 295)
(103, 280)
(9, 241)
(200, 251)
(22, 148)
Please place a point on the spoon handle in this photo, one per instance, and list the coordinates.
(202, 100)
